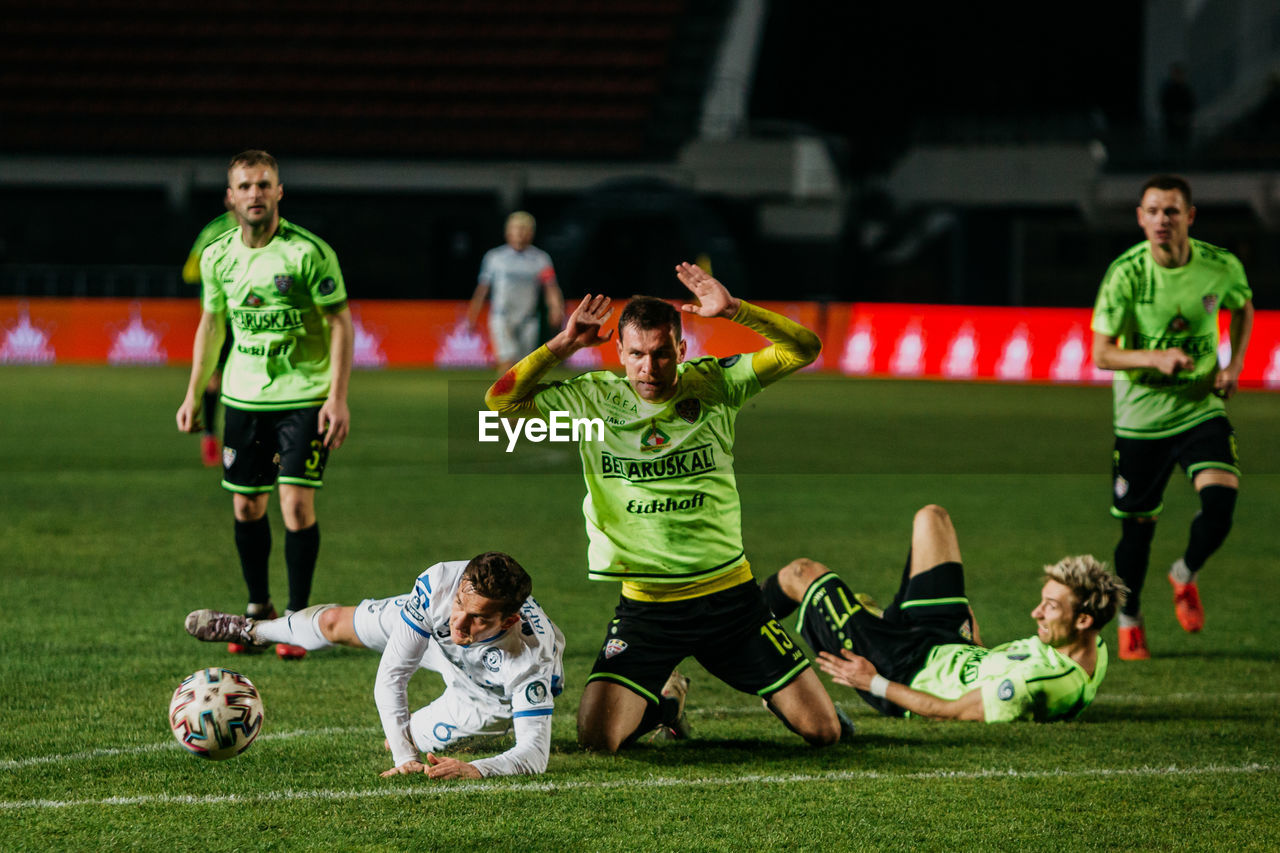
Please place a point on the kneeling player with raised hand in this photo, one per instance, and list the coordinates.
(473, 622)
(922, 655)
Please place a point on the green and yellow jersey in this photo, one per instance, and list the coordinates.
(1148, 307)
(274, 298)
(1022, 680)
(662, 501)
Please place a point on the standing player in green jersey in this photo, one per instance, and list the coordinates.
(209, 447)
(1156, 324)
(285, 384)
(922, 654)
(663, 516)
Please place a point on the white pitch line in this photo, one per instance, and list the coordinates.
(165, 746)
(490, 787)
(721, 711)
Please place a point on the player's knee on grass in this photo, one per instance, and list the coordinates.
(795, 577)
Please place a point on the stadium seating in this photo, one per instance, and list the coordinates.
(485, 79)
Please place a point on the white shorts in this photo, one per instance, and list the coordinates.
(513, 338)
(374, 620)
(457, 713)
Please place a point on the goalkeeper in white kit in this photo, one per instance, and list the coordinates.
(475, 623)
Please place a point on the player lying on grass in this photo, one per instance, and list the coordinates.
(922, 655)
(473, 622)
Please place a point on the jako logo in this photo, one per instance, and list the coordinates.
(558, 427)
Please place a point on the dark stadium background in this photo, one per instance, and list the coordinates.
(96, 97)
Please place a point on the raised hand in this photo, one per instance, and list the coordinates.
(583, 328)
(711, 298)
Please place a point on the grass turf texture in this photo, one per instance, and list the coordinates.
(113, 532)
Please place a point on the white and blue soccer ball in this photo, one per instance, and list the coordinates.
(215, 713)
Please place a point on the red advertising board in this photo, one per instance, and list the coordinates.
(860, 339)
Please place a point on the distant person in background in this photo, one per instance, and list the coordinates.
(922, 654)
(514, 277)
(1177, 109)
(210, 449)
(285, 384)
(1156, 324)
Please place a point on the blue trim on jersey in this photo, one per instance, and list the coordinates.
(496, 636)
(413, 626)
(540, 712)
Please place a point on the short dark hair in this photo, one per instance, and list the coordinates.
(254, 157)
(649, 312)
(1167, 182)
(496, 575)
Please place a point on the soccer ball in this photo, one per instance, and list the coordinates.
(215, 713)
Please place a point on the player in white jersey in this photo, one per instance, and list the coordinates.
(514, 277)
(475, 624)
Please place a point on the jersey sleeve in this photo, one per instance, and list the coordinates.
(738, 379)
(1111, 309)
(401, 658)
(325, 277)
(486, 268)
(405, 648)
(1238, 290)
(1007, 700)
(530, 754)
(212, 297)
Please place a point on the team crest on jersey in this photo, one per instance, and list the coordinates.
(253, 300)
(689, 409)
(492, 659)
(654, 439)
(327, 286)
(283, 283)
(1210, 304)
(1005, 691)
(228, 457)
(536, 693)
(1122, 487)
(614, 648)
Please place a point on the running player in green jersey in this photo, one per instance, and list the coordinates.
(209, 448)
(922, 654)
(285, 384)
(1156, 324)
(663, 515)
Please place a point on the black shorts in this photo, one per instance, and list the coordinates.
(261, 448)
(929, 610)
(731, 633)
(1140, 467)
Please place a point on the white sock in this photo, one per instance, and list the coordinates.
(296, 629)
(1181, 573)
(1130, 621)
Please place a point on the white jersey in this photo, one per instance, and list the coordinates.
(515, 280)
(513, 676)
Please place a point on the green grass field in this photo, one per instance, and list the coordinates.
(112, 532)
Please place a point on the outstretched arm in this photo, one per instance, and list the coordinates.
(792, 346)
(857, 672)
(513, 393)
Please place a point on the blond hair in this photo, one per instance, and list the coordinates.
(1097, 591)
(523, 217)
